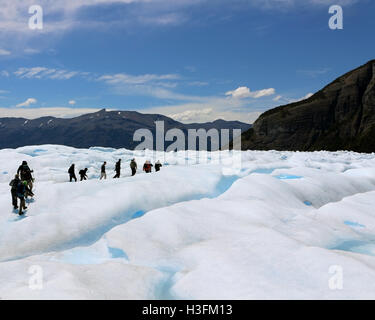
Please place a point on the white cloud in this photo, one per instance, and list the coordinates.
(283, 4)
(72, 102)
(122, 78)
(4, 73)
(44, 73)
(62, 14)
(244, 92)
(33, 113)
(337, 2)
(116, 80)
(241, 92)
(287, 100)
(63, 75)
(153, 85)
(309, 95)
(164, 19)
(264, 93)
(4, 52)
(211, 114)
(191, 115)
(30, 72)
(209, 109)
(27, 103)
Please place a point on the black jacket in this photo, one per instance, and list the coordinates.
(14, 184)
(71, 170)
(25, 172)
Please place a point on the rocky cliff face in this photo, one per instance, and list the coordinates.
(339, 117)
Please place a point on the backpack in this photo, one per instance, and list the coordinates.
(14, 184)
(26, 172)
(21, 189)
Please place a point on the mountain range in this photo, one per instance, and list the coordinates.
(103, 128)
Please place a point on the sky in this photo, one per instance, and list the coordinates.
(192, 60)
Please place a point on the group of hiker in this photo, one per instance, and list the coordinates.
(22, 187)
(147, 167)
(22, 184)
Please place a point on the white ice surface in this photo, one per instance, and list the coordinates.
(270, 231)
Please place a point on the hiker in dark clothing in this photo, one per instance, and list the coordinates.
(117, 169)
(22, 192)
(133, 167)
(25, 173)
(147, 167)
(72, 173)
(14, 184)
(158, 165)
(103, 174)
(83, 174)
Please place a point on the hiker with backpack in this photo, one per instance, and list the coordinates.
(133, 167)
(83, 174)
(72, 174)
(25, 174)
(118, 169)
(14, 184)
(147, 167)
(22, 192)
(103, 174)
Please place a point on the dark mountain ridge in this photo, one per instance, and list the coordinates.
(103, 128)
(341, 116)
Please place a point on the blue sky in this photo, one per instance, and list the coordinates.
(195, 60)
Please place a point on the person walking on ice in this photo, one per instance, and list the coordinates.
(83, 174)
(103, 173)
(14, 184)
(147, 167)
(118, 169)
(158, 165)
(22, 192)
(133, 167)
(25, 173)
(72, 174)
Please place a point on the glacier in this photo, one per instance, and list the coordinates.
(194, 230)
